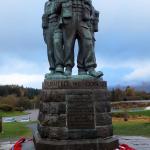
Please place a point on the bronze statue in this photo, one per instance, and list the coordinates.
(68, 21)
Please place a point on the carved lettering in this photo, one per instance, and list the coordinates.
(80, 112)
(73, 84)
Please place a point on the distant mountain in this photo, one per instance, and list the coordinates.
(144, 86)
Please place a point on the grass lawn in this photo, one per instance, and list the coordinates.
(133, 127)
(15, 130)
(12, 113)
(145, 113)
(140, 113)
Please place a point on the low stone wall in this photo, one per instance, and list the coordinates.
(128, 105)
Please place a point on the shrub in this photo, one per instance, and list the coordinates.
(5, 107)
(25, 103)
(10, 100)
(19, 109)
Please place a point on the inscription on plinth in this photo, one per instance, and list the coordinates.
(80, 112)
(74, 84)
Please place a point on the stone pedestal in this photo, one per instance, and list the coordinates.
(75, 115)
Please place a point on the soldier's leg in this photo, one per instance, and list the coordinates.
(80, 59)
(58, 51)
(69, 42)
(50, 50)
(87, 48)
(88, 52)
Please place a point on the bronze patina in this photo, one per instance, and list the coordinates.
(64, 22)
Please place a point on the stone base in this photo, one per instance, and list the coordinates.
(85, 144)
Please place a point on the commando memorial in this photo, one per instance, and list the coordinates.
(74, 109)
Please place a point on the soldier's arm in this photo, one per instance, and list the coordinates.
(60, 2)
(45, 7)
(58, 5)
(45, 17)
(45, 21)
(96, 20)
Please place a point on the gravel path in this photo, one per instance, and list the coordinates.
(32, 114)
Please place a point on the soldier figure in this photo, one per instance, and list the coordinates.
(76, 15)
(93, 28)
(63, 22)
(53, 37)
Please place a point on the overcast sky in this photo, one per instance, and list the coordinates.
(122, 44)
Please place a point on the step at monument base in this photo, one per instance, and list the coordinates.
(84, 144)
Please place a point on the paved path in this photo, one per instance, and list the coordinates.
(6, 145)
(33, 114)
(139, 143)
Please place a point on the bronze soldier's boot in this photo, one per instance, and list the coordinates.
(59, 70)
(82, 71)
(52, 72)
(94, 73)
(68, 71)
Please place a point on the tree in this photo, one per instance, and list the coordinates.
(130, 92)
(117, 95)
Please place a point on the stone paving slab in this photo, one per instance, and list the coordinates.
(28, 146)
(6, 145)
(139, 143)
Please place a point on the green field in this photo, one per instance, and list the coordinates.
(145, 113)
(12, 113)
(15, 130)
(140, 113)
(138, 123)
(132, 128)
